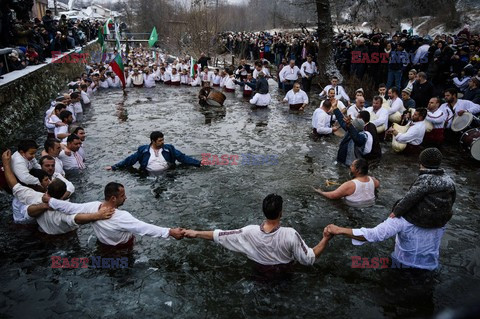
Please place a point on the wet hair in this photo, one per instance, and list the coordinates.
(439, 100)
(74, 95)
(57, 188)
(72, 137)
(365, 116)
(327, 104)
(422, 111)
(382, 85)
(272, 206)
(331, 89)
(334, 78)
(378, 98)
(50, 143)
(452, 91)
(25, 145)
(112, 189)
(45, 158)
(64, 115)
(38, 173)
(361, 165)
(83, 86)
(155, 135)
(78, 128)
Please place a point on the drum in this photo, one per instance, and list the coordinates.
(471, 141)
(373, 117)
(216, 98)
(396, 146)
(464, 122)
(428, 126)
(395, 117)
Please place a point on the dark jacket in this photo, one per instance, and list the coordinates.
(428, 203)
(422, 93)
(262, 86)
(376, 152)
(472, 95)
(143, 155)
(358, 139)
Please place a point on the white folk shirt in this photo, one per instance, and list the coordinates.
(70, 187)
(47, 120)
(175, 77)
(72, 110)
(113, 83)
(265, 71)
(260, 99)
(103, 84)
(77, 107)
(156, 163)
(414, 135)
(74, 161)
(59, 166)
(382, 116)
(353, 111)
(296, 98)
(229, 84)
(466, 105)
(339, 92)
(414, 246)
(196, 81)
(321, 121)
(149, 80)
(308, 69)
(216, 79)
(281, 246)
(21, 168)
(51, 222)
(61, 130)
(396, 105)
(85, 97)
(289, 74)
(437, 118)
(116, 230)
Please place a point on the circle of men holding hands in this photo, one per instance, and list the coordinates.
(418, 220)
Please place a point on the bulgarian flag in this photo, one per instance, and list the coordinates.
(192, 67)
(117, 67)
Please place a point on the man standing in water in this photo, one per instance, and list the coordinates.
(267, 244)
(156, 156)
(418, 220)
(358, 192)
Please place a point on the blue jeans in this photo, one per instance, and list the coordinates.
(394, 76)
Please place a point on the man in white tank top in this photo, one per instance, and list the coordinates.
(358, 192)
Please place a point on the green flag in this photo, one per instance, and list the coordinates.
(153, 37)
(100, 39)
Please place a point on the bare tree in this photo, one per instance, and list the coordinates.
(326, 61)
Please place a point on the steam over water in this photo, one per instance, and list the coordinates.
(199, 279)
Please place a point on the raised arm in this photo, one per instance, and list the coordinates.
(207, 234)
(9, 176)
(346, 189)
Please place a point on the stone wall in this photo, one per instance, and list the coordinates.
(25, 97)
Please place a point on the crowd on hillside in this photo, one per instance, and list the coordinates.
(32, 41)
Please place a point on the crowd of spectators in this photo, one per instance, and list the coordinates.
(447, 59)
(32, 41)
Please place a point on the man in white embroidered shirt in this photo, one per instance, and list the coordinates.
(339, 90)
(70, 157)
(267, 244)
(413, 137)
(296, 98)
(121, 228)
(321, 120)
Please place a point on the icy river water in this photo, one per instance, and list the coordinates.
(199, 279)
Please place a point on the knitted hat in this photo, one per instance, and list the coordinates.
(407, 90)
(431, 158)
(358, 124)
